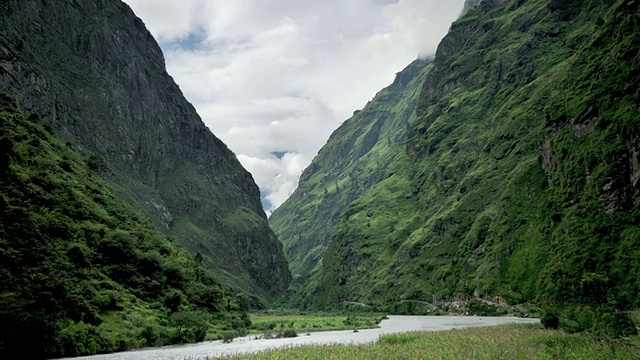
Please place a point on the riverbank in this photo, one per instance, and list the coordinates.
(253, 344)
(274, 322)
(504, 342)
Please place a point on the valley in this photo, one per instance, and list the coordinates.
(497, 180)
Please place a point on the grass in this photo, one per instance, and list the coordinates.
(269, 322)
(501, 342)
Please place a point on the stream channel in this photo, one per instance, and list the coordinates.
(250, 343)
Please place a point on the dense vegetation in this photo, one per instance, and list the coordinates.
(506, 342)
(519, 180)
(95, 75)
(308, 322)
(80, 271)
(353, 160)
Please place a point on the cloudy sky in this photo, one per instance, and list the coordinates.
(273, 79)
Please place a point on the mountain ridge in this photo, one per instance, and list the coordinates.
(97, 78)
(81, 272)
(340, 172)
(517, 179)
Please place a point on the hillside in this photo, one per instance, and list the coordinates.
(519, 178)
(80, 271)
(354, 159)
(97, 78)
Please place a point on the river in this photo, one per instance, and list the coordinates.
(249, 344)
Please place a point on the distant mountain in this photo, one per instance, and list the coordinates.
(97, 78)
(518, 182)
(354, 158)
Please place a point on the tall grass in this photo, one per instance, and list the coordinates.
(506, 342)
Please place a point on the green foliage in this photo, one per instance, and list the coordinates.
(173, 299)
(190, 327)
(352, 161)
(80, 271)
(309, 322)
(80, 339)
(614, 324)
(112, 99)
(518, 179)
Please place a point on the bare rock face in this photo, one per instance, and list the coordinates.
(97, 78)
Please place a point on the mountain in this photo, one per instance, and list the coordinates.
(518, 181)
(80, 271)
(354, 158)
(469, 5)
(97, 78)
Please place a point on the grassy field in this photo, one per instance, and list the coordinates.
(270, 322)
(507, 342)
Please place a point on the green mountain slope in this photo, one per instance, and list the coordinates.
(354, 158)
(80, 271)
(519, 179)
(96, 76)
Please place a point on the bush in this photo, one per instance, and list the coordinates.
(80, 339)
(155, 336)
(173, 299)
(190, 327)
(149, 335)
(600, 321)
(614, 324)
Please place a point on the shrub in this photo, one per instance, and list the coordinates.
(150, 335)
(614, 324)
(80, 339)
(190, 327)
(173, 299)
(155, 336)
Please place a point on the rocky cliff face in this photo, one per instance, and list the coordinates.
(354, 159)
(97, 77)
(518, 176)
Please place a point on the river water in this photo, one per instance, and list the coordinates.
(249, 344)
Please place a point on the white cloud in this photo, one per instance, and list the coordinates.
(281, 75)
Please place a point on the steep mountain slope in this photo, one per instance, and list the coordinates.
(96, 76)
(469, 5)
(354, 158)
(520, 175)
(80, 271)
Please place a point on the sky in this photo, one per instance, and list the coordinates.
(273, 79)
